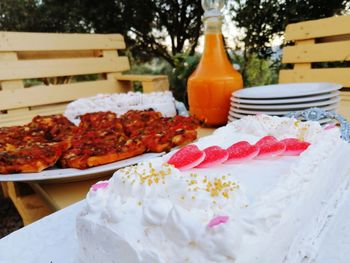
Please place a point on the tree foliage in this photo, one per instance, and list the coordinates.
(181, 20)
(40, 16)
(148, 25)
(262, 20)
(169, 29)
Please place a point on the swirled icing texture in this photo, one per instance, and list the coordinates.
(154, 213)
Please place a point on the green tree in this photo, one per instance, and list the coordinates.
(165, 29)
(257, 71)
(263, 20)
(41, 16)
(149, 25)
(178, 19)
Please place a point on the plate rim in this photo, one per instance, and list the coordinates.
(305, 99)
(327, 108)
(72, 174)
(286, 106)
(237, 118)
(332, 87)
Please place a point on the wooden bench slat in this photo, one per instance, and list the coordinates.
(29, 55)
(336, 75)
(27, 69)
(325, 52)
(135, 77)
(344, 108)
(20, 41)
(50, 55)
(334, 38)
(345, 96)
(20, 119)
(30, 207)
(331, 26)
(42, 109)
(41, 95)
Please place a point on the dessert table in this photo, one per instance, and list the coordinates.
(53, 238)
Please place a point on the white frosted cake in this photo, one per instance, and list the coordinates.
(119, 103)
(268, 210)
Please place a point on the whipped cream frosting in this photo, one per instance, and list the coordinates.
(156, 210)
(120, 103)
(258, 211)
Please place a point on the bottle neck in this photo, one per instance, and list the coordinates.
(214, 49)
(212, 25)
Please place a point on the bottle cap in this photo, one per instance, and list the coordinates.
(212, 8)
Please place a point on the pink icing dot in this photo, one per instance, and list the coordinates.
(330, 126)
(100, 185)
(218, 220)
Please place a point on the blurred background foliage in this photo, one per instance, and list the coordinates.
(162, 35)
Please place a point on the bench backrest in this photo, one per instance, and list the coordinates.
(41, 72)
(322, 40)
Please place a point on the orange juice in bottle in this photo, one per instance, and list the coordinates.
(211, 85)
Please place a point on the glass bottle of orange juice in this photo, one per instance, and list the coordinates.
(211, 85)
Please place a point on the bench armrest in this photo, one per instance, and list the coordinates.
(150, 83)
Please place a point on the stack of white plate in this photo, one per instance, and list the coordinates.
(280, 99)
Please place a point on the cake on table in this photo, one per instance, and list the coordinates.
(120, 103)
(261, 189)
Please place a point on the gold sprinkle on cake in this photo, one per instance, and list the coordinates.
(221, 187)
(148, 177)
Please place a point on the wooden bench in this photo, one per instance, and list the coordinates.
(316, 43)
(41, 72)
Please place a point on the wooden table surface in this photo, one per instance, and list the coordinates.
(61, 195)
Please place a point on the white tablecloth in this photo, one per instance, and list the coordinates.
(53, 239)
(49, 240)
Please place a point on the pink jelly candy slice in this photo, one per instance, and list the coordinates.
(241, 151)
(330, 126)
(187, 157)
(214, 155)
(269, 147)
(265, 140)
(294, 147)
(99, 185)
(218, 220)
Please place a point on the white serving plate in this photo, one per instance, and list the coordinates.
(71, 174)
(287, 106)
(287, 100)
(287, 90)
(237, 116)
(331, 107)
(231, 119)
